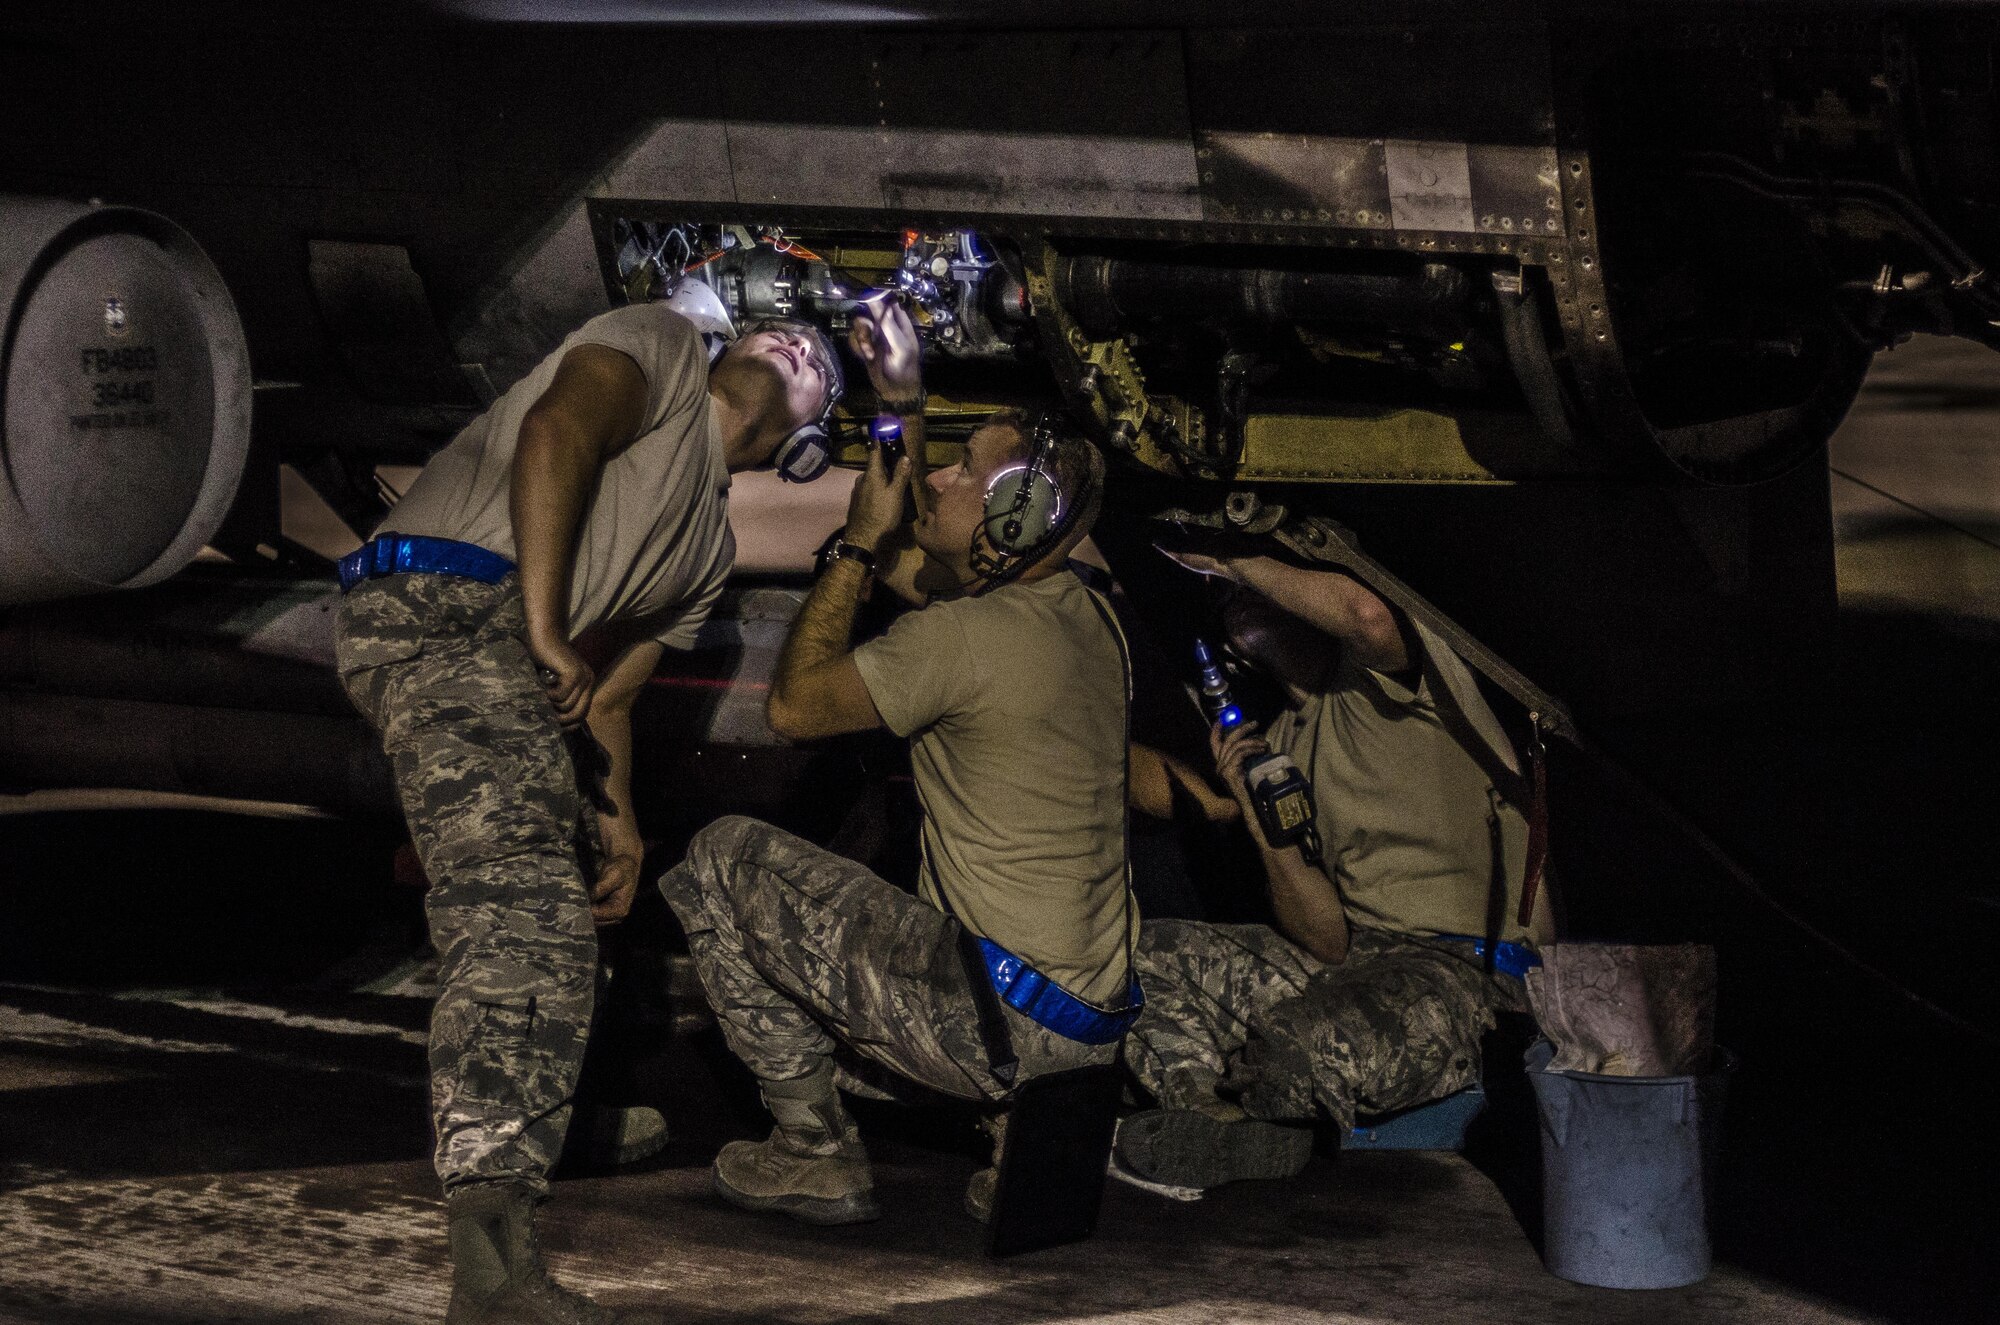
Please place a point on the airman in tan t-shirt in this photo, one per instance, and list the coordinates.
(1371, 992)
(603, 477)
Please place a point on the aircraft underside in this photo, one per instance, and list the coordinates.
(1524, 246)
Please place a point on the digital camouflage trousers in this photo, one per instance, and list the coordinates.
(1238, 1009)
(803, 953)
(440, 666)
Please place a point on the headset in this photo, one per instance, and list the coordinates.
(1027, 512)
(805, 455)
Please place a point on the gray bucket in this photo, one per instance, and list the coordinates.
(1624, 1181)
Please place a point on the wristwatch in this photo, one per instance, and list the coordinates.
(842, 550)
(907, 406)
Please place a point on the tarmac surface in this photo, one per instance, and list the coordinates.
(212, 1097)
(1916, 485)
(191, 1158)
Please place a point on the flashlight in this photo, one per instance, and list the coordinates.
(1279, 792)
(886, 432)
(1216, 704)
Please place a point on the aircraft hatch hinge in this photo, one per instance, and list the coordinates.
(1104, 385)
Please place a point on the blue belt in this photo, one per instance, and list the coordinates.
(1047, 1004)
(1508, 958)
(400, 554)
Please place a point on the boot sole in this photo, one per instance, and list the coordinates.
(1183, 1148)
(826, 1211)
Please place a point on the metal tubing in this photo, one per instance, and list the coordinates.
(1108, 295)
(1528, 355)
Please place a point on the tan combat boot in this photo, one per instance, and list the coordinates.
(811, 1167)
(497, 1273)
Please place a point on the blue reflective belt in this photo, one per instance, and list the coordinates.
(1508, 958)
(1047, 1004)
(400, 554)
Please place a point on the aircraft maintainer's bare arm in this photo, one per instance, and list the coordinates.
(1329, 600)
(887, 344)
(818, 690)
(1334, 602)
(1155, 773)
(592, 410)
(611, 723)
(1304, 898)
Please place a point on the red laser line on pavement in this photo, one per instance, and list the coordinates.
(708, 683)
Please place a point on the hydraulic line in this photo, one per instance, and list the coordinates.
(1434, 300)
(1968, 277)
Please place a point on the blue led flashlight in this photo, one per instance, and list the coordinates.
(1215, 699)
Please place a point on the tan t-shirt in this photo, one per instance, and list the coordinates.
(1015, 703)
(1406, 812)
(655, 544)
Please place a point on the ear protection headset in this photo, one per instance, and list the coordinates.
(805, 455)
(1027, 512)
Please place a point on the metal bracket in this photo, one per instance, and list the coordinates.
(1102, 381)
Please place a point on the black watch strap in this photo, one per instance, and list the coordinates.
(906, 406)
(842, 550)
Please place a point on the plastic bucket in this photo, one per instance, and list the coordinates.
(1624, 1177)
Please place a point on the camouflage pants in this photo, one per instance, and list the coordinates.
(1240, 1009)
(439, 665)
(802, 952)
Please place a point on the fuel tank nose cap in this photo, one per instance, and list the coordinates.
(124, 398)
